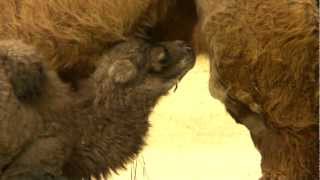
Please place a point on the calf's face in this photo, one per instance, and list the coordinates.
(140, 66)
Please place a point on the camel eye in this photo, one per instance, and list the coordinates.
(159, 58)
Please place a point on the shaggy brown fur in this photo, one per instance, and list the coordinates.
(263, 57)
(72, 34)
(55, 132)
(264, 67)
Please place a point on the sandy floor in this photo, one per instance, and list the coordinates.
(193, 138)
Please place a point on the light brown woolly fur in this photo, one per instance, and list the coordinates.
(68, 26)
(73, 33)
(264, 55)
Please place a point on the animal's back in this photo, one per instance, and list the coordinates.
(70, 33)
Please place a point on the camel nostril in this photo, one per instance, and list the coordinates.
(189, 49)
(180, 43)
(184, 45)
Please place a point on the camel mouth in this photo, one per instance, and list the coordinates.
(183, 67)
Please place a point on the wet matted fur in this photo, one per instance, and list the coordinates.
(48, 131)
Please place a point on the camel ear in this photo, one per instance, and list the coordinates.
(122, 71)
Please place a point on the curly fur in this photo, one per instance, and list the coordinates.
(264, 58)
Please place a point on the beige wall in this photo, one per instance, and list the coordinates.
(193, 138)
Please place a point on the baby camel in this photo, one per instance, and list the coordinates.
(48, 131)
